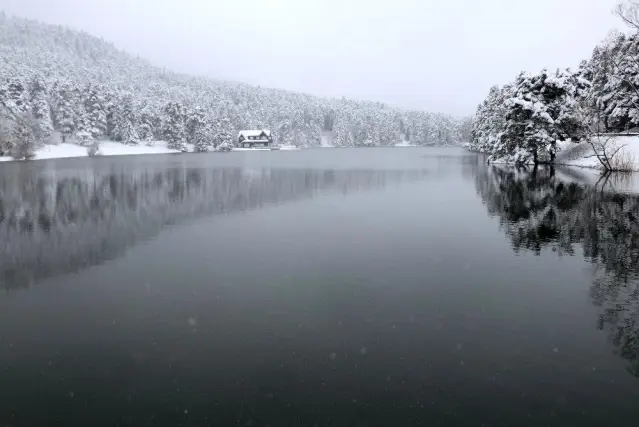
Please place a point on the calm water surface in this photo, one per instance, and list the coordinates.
(363, 287)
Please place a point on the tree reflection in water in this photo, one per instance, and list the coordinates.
(539, 209)
(60, 221)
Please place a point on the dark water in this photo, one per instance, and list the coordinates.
(370, 287)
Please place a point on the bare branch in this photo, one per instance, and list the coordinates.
(616, 151)
(628, 11)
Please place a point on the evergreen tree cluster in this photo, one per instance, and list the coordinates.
(524, 121)
(82, 89)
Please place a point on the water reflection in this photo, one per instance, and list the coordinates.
(55, 221)
(543, 209)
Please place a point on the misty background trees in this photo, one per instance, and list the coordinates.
(82, 89)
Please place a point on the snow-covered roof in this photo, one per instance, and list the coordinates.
(254, 132)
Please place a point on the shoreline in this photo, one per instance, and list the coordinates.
(582, 154)
(67, 150)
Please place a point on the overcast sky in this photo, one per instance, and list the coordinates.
(438, 55)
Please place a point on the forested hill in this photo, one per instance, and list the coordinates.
(84, 89)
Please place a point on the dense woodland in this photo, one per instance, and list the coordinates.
(523, 121)
(62, 85)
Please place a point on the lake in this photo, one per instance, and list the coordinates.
(327, 287)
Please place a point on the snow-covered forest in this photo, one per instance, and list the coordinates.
(57, 84)
(527, 121)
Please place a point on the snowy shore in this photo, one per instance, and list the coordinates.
(107, 148)
(582, 154)
(111, 148)
(405, 144)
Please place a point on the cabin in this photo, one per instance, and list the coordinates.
(251, 138)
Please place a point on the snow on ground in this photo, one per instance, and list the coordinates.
(111, 148)
(107, 148)
(405, 144)
(289, 148)
(582, 154)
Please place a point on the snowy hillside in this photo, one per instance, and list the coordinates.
(82, 89)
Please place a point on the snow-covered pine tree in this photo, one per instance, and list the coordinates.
(623, 83)
(285, 131)
(565, 93)
(27, 136)
(127, 121)
(147, 125)
(65, 111)
(95, 107)
(489, 121)
(17, 96)
(525, 116)
(83, 134)
(222, 133)
(544, 109)
(174, 126)
(200, 130)
(5, 124)
(312, 131)
(40, 108)
(112, 112)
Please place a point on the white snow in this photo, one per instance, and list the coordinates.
(405, 144)
(110, 148)
(253, 132)
(582, 155)
(326, 139)
(107, 148)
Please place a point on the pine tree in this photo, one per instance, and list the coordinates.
(200, 130)
(65, 113)
(174, 126)
(285, 132)
(543, 110)
(111, 109)
(147, 126)
(27, 136)
(95, 108)
(222, 133)
(40, 107)
(83, 134)
(126, 124)
(17, 97)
